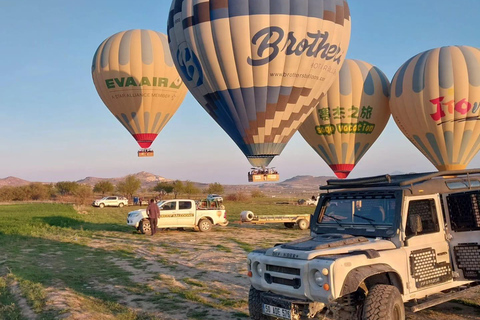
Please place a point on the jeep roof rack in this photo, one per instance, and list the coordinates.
(393, 180)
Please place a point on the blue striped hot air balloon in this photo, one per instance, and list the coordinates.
(259, 67)
(435, 101)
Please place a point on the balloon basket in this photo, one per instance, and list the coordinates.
(145, 153)
(262, 175)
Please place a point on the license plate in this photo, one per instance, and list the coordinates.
(276, 312)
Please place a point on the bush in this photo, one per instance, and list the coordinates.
(239, 196)
(257, 194)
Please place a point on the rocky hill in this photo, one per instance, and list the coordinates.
(13, 182)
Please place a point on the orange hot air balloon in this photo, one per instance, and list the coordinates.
(136, 78)
(350, 117)
(435, 101)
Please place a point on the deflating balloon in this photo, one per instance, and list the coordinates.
(435, 102)
(259, 67)
(134, 75)
(350, 117)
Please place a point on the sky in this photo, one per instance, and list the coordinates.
(54, 127)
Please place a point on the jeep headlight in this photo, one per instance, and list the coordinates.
(319, 278)
(258, 268)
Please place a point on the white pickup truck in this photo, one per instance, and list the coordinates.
(111, 201)
(179, 213)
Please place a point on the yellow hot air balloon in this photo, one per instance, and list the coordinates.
(350, 117)
(136, 78)
(435, 101)
(259, 67)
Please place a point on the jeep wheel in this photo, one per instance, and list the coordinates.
(204, 225)
(289, 225)
(101, 205)
(120, 204)
(303, 224)
(255, 305)
(145, 227)
(383, 302)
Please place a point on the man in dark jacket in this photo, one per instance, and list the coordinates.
(153, 213)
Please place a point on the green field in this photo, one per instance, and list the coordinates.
(56, 260)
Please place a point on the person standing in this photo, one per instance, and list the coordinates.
(153, 213)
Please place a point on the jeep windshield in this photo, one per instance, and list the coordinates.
(359, 214)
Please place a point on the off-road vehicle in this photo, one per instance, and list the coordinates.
(378, 246)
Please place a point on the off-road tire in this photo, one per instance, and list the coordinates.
(145, 227)
(303, 224)
(120, 204)
(383, 302)
(255, 305)
(101, 205)
(204, 225)
(289, 225)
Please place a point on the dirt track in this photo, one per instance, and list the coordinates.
(209, 271)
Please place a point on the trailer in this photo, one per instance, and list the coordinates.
(288, 220)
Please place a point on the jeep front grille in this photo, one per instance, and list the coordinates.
(286, 270)
(295, 283)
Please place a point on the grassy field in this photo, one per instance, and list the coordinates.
(51, 248)
(61, 262)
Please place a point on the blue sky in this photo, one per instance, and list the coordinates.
(56, 128)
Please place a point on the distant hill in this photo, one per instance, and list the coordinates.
(149, 180)
(13, 182)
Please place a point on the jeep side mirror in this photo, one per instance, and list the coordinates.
(415, 222)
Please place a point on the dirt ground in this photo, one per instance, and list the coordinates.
(194, 275)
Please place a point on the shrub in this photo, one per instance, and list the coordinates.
(257, 194)
(239, 196)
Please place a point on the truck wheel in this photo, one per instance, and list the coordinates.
(303, 224)
(383, 302)
(289, 225)
(255, 305)
(101, 205)
(204, 225)
(145, 227)
(120, 204)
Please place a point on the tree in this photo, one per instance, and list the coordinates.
(215, 188)
(66, 187)
(164, 187)
(190, 188)
(129, 186)
(177, 187)
(104, 187)
(83, 194)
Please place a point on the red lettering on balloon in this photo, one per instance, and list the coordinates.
(463, 106)
(439, 114)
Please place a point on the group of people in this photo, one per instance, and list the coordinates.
(264, 171)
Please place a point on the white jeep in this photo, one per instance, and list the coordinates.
(377, 247)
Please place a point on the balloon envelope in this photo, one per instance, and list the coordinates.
(349, 117)
(435, 102)
(259, 67)
(135, 77)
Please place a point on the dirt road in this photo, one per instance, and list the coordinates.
(193, 275)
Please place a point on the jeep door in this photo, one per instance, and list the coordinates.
(111, 201)
(168, 214)
(186, 213)
(428, 258)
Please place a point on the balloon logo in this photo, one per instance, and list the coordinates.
(349, 117)
(259, 67)
(435, 102)
(136, 78)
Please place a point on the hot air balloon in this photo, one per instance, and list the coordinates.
(134, 75)
(435, 100)
(349, 117)
(259, 67)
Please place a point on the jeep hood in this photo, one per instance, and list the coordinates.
(328, 244)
